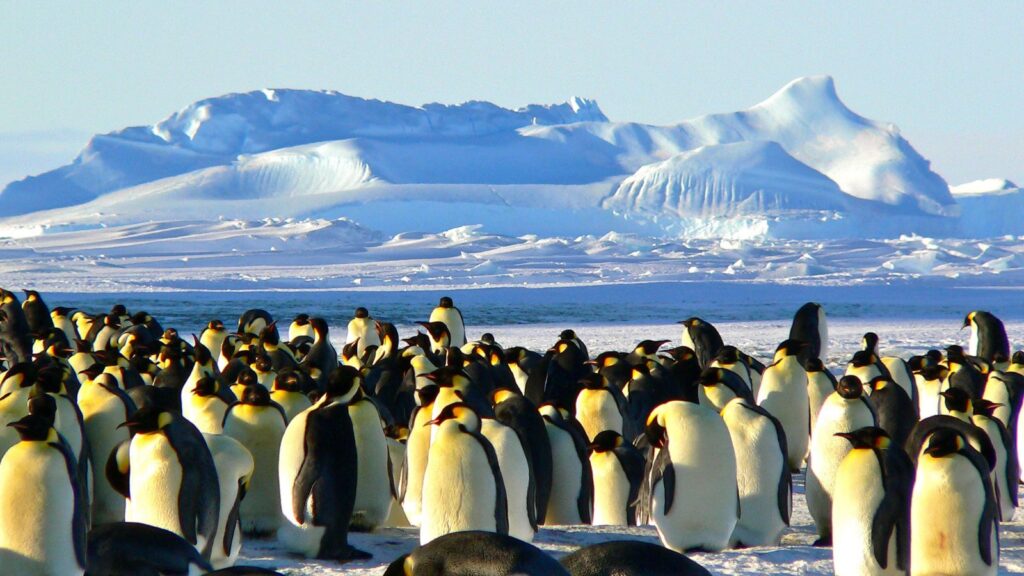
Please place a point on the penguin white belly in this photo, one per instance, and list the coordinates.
(103, 413)
(783, 394)
(13, 407)
(759, 467)
(37, 506)
(458, 488)
(515, 471)
(155, 483)
(373, 485)
(260, 431)
(396, 454)
(417, 450)
(207, 413)
(974, 342)
(297, 537)
(928, 399)
(704, 511)
(611, 490)
(1006, 508)
(66, 422)
(365, 331)
(996, 391)
(452, 318)
(567, 479)
(445, 396)
(520, 376)
(859, 480)
(233, 463)
(597, 412)
(292, 402)
(945, 510)
(819, 387)
(738, 369)
(828, 450)
(685, 340)
(897, 368)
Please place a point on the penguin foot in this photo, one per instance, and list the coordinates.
(824, 541)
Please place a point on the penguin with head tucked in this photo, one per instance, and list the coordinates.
(702, 338)
(783, 393)
(600, 406)
(447, 313)
(476, 553)
(871, 506)
(718, 386)
(929, 379)
(953, 510)
(572, 482)
(289, 392)
(988, 336)
(318, 468)
(896, 412)
(204, 407)
(963, 373)
(682, 371)
(133, 548)
(322, 358)
(234, 465)
(845, 409)
(558, 376)
(618, 472)
(630, 558)
(363, 330)
(167, 473)
(693, 505)
(253, 321)
(811, 326)
(258, 423)
(373, 484)
(463, 487)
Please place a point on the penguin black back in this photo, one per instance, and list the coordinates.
(630, 558)
(475, 553)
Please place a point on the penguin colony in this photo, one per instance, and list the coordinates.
(152, 454)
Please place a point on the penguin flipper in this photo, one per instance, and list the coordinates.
(501, 497)
(79, 520)
(882, 526)
(118, 469)
(586, 495)
(663, 471)
(233, 519)
(990, 511)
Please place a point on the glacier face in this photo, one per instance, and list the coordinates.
(799, 157)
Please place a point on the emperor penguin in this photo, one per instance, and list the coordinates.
(300, 328)
(322, 357)
(572, 482)
(253, 321)
(783, 394)
(476, 553)
(519, 413)
(618, 472)
(820, 385)
(600, 407)
(728, 357)
(522, 362)
(168, 475)
(61, 318)
(317, 471)
(764, 481)
(258, 423)
(694, 505)
(895, 411)
(363, 330)
(373, 483)
(930, 380)
(845, 409)
(1006, 473)
(204, 407)
(630, 558)
(37, 314)
(43, 520)
(104, 407)
(439, 336)
(417, 450)
(810, 325)
(234, 465)
(452, 317)
(463, 488)
(15, 336)
(132, 548)
(520, 485)
(702, 338)
(287, 392)
(718, 386)
(108, 334)
(16, 388)
(1007, 390)
(953, 510)
(988, 336)
(871, 506)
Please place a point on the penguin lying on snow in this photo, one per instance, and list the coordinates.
(630, 558)
(476, 554)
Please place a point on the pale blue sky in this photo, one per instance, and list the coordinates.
(950, 75)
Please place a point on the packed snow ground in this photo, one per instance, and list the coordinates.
(900, 336)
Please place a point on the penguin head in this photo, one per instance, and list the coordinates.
(450, 377)
(727, 355)
(343, 383)
(33, 428)
(1018, 357)
(118, 310)
(446, 302)
(203, 356)
(639, 370)
(92, 372)
(682, 354)
(867, 437)
(649, 347)
(955, 354)
(943, 442)
(31, 295)
(319, 326)
(263, 363)
(8, 297)
(216, 326)
(502, 394)
(968, 319)
(863, 358)
(438, 332)
(727, 379)
(50, 379)
(42, 405)
(148, 420)
(606, 441)
(255, 395)
(206, 387)
(985, 407)
(879, 383)
(814, 364)
(791, 347)
(461, 413)
(692, 322)
(402, 566)
(20, 375)
(426, 395)
(655, 429)
(60, 312)
(606, 359)
(850, 387)
(551, 412)
(488, 338)
(362, 312)
(269, 335)
(288, 380)
(957, 400)
(869, 342)
(140, 318)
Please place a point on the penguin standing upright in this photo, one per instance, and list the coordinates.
(168, 475)
(42, 510)
(452, 317)
(363, 330)
(259, 424)
(373, 485)
(783, 394)
(213, 337)
(871, 506)
(521, 415)
(702, 338)
(318, 468)
(599, 407)
(845, 410)
(764, 481)
(820, 385)
(895, 411)
(15, 338)
(288, 393)
(988, 336)
(234, 466)
(1006, 472)
(520, 486)
(104, 407)
(618, 471)
(810, 325)
(953, 510)
(36, 313)
(417, 450)
(572, 482)
(463, 488)
(691, 490)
